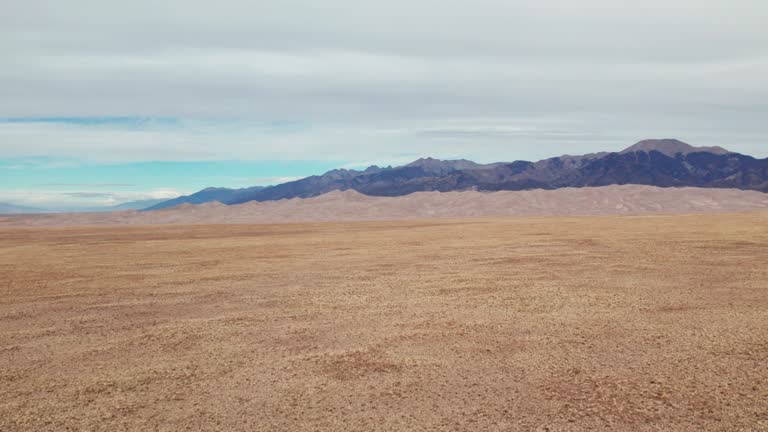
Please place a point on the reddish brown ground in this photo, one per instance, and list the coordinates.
(594, 323)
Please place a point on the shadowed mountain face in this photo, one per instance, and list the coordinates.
(665, 163)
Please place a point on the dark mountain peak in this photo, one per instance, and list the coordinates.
(340, 173)
(430, 161)
(671, 147)
(584, 156)
(427, 162)
(344, 173)
(438, 166)
(424, 160)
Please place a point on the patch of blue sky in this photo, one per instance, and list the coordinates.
(126, 121)
(138, 122)
(51, 173)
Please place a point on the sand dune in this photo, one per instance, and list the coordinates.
(351, 205)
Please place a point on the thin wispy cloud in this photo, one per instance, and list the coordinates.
(329, 86)
(88, 194)
(511, 132)
(263, 181)
(132, 122)
(74, 200)
(94, 185)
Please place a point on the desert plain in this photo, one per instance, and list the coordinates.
(620, 323)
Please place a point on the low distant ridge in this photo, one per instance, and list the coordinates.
(206, 195)
(6, 208)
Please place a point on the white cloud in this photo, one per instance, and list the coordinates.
(78, 199)
(486, 79)
(481, 139)
(266, 181)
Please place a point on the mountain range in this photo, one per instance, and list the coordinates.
(130, 205)
(7, 208)
(658, 162)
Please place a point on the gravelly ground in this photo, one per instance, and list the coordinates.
(592, 323)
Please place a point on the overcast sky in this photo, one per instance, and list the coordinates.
(319, 83)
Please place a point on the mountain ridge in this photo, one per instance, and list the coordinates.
(128, 205)
(656, 162)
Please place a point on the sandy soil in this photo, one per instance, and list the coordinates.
(591, 323)
(353, 206)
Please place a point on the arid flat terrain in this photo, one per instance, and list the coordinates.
(354, 206)
(615, 323)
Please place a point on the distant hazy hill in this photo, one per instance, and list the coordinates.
(6, 208)
(664, 163)
(206, 195)
(131, 205)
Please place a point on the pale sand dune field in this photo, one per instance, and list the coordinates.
(353, 206)
(634, 323)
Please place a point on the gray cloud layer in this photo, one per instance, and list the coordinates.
(431, 77)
